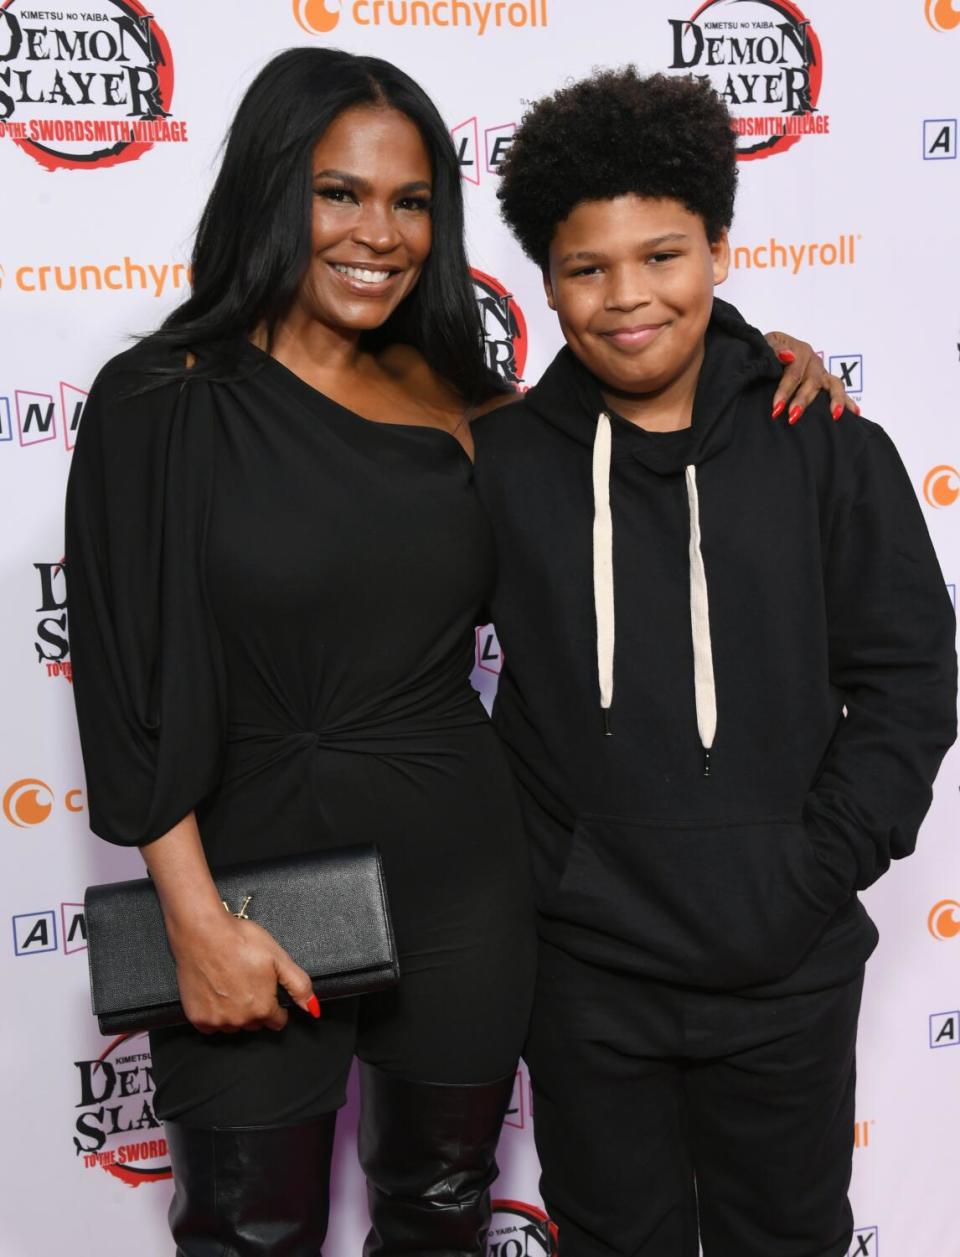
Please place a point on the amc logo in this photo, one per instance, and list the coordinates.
(944, 1030)
(35, 932)
(30, 801)
(939, 139)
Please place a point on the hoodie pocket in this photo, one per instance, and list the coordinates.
(723, 905)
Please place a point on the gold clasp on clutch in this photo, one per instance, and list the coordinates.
(242, 914)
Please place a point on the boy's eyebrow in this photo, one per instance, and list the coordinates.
(584, 255)
(363, 185)
(669, 238)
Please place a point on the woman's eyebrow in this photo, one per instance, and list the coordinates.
(363, 185)
(353, 181)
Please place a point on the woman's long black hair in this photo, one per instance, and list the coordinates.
(253, 243)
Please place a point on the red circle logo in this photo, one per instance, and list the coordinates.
(88, 88)
(520, 1230)
(764, 59)
(504, 327)
(116, 1128)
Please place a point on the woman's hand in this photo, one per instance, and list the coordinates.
(228, 969)
(228, 972)
(803, 378)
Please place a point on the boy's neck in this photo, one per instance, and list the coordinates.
(667, 409)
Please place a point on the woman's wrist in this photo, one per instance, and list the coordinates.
(189, 922)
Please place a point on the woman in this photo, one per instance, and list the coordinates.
(277, 560)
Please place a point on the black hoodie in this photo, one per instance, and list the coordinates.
(823, 618)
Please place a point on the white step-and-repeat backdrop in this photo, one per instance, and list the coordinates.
(847, 234)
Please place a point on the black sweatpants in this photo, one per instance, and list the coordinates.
(663, 1113)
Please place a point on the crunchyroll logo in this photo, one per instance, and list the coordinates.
(28, 802)
(319, 17)
(314, 16)
(944, 920)
(941, 486)
(942, 15)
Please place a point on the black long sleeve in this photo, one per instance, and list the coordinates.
(147, 677)
(891, 633)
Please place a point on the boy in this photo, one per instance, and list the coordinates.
(729, 684)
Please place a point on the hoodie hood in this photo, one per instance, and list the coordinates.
(736, 356)
(568, 397)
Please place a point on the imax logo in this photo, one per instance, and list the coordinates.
(35, 418)
(866, 1242)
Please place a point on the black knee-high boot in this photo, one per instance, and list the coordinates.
(250, 1191)
(427, 1150)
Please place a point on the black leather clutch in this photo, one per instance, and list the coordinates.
(329, 910)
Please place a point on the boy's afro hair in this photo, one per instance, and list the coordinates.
(617, 133)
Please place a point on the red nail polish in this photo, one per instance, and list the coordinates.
(778, 409)
(313, 1006)
(837, 411)
(786, 356)
(795, 413)
(856, 408)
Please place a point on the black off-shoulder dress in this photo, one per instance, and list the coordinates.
(272, 604)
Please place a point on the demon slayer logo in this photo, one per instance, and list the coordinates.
(52, 644)
(520, 1230)
(504, 327)
(764, 59)
(115, 1128)
(87, 86)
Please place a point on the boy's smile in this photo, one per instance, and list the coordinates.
(632, 280)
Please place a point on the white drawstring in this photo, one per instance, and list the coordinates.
(603, 563)
(703, 679)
